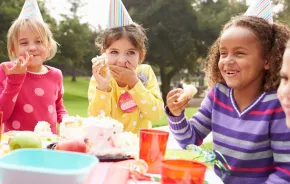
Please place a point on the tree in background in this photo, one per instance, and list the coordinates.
(180, 31)
(283, 8)
(76, 42)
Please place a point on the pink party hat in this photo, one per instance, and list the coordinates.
(118, 15)
(30, 10)
(261, 8)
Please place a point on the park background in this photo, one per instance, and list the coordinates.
(180, 33)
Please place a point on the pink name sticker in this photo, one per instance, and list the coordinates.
(127, 103)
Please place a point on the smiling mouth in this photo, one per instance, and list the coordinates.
(231, 72)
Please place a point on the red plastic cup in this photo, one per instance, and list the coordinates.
(182, 171)
(152, 148)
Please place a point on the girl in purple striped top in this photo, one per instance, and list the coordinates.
(241, 109)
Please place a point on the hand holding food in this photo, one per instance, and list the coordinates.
(188, 92)
(100, 65)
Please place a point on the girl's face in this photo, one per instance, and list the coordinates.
(241, 63)
(31, 43)
(284, 88)
(122, 51)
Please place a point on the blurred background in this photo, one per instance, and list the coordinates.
(180, 33)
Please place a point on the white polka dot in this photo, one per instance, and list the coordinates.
(16, 124)
(154, 108)
(50, 109)
(102, 112)
(131, 92)
(116, 106)
(28, 108)
(134, 123)
(145, 113)
(123, 91)
(124, 115)
(143, 101)
(141, 115)
(14, 99)
(39, 91)
(103, 96)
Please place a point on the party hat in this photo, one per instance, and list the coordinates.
(118, 15)
(30, 10)
(261, 8)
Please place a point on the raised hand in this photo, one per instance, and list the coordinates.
(176, 107)
(20, 67)
(125, 75)
(102, 82)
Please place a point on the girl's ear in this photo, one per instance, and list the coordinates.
(103, 51)
(142, 55)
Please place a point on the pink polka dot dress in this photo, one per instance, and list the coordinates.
(28, 98)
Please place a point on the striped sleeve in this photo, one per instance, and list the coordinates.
(194, 130)
(280, 144)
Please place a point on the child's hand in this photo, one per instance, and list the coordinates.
(176, 107)
(125, 75)
(102, 82)
(20, 67)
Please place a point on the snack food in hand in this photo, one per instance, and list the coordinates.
(102, 62)
(188, 92)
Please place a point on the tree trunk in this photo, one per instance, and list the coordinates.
(73, 76)
(165, 83)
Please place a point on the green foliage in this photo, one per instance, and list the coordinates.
(180, 31)
(76, 41)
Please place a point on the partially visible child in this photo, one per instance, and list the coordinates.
(129, 92)
(241, 109)
(30, 90)
(284, 88)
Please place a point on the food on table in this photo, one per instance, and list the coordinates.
(25, 140)
(188, 92)
(72, 145)
(102, 62)
(104, 136)
(42, 126)
(43, 130)
(71, 128)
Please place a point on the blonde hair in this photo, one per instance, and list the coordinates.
(38, 28)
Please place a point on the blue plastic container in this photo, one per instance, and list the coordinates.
(37, 166)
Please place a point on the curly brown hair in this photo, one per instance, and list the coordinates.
(273, 39)
(134, 32)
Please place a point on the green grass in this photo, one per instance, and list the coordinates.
(76, 96)
(76, 99)
(163, 121)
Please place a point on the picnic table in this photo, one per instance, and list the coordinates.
(102, 171)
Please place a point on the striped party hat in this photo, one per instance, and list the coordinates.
(30, 10)
(261, 8)
(118, 15)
